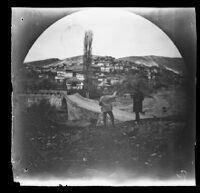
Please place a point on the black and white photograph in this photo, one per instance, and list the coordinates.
(103, 96)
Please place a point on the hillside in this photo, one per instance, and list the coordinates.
(79, 59)
(76, 59)
(42, 62)
(174, 64)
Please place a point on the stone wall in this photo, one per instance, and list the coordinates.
(75, 112)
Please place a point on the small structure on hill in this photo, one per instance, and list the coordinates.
(74, 83)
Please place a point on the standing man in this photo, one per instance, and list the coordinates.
(138, 98)
(64, 105)
(106, 105)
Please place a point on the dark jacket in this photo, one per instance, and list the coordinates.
(138, 98)
(64, 103)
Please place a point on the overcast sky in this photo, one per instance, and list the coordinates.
(117, 33)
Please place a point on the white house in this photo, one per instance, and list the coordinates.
(105, 69)
(103, 84)
(100, 64)
(59, 78)
(60, 73)
(78, 86)
(100, 79)
(44, 76)
(68, 75)
(102, 75)
(64, 74)
(80, 76)
(114, 81)
(133, 67)
(117, 67)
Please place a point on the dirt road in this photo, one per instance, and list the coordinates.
(93, 105)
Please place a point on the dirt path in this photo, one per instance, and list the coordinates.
(92, 105)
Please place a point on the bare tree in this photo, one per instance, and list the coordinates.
(87, 60)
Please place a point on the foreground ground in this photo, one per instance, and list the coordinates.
(154, 148)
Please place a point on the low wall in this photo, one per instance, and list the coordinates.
(79, 108)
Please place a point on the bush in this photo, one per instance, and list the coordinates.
(132, 81)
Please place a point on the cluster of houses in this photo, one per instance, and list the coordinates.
(72, 75)
(71, 78)
(106, 71)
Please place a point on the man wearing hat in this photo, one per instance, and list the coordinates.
(64, 105)
(106, 105)
(138, 98)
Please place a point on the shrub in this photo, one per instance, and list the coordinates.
(132, 81)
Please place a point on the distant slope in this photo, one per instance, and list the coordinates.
(74, 59)
(79, 58)
(42, 62)
(174, 64)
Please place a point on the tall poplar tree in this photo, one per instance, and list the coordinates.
(87, 61)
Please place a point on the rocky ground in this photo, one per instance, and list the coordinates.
(154, 147)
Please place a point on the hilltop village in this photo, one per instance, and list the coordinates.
(105, 71)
